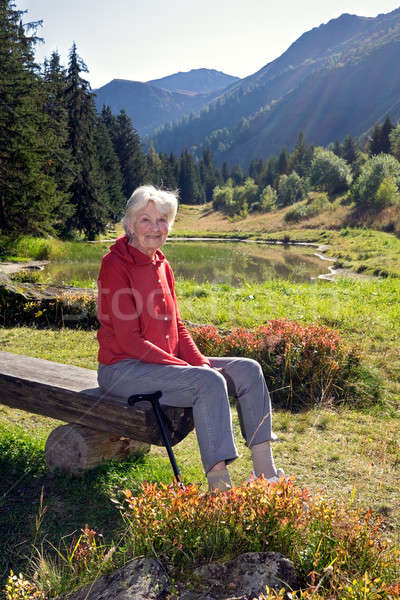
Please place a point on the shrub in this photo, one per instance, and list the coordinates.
(329, 172)
(394, 137)
(19, 588)
(333, 547)
(303, 365)
(268, 199)
(308, 210)
(367, 191)
(291, 189)
(338, 552)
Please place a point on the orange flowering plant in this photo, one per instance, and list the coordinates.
(335, 549)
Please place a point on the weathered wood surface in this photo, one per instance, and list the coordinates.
(70, 394)
(75, 448)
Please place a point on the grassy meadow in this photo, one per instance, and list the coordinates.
(351, 452)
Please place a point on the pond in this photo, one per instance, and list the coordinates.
(232, 263)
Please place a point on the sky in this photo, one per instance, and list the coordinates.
(142, 40)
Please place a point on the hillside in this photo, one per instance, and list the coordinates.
(336, 79)
(155, 103)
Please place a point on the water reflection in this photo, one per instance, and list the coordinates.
(233, 263)
(238, 263)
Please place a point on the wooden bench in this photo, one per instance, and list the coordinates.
(100, 426)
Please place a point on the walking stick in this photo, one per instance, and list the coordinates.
(154, 398)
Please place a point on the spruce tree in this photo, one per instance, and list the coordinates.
(209, 174)
(88, 193)
(168, 174)
(110, 171)
(190, 190)
(386, 130)
(225, 171)
(301, 157)
(127, 145)
(153, 167)
(350, 151)
(283, 161)
(60, 166)
(28, 195)
(375, 140)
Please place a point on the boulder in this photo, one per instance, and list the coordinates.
(140, 579)
(243, 578)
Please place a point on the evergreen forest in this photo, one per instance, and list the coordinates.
(67, 168)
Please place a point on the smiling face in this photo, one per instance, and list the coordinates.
(149, 229)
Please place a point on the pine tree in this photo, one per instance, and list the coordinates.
(375, 141)
(60, 165)
(168, 173)
(190, 190)
(337, 148)
(111, 172)
(386, 130)
(237, 175)
(256, 167)
(270, 174)
(209, 174)
(350, 151)
(301, 157)
(153, 166)
(283, 161)
(225, 172)
(128, 147)
(28, 195)
(88, 193)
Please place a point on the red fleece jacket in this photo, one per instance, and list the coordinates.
(138, 311)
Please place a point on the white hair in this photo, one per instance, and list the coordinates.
(166, 202)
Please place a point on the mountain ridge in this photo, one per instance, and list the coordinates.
(151, 106)
(228, 123)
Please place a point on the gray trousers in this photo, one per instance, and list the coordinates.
(206, 392)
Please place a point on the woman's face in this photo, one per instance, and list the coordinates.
(149, 229)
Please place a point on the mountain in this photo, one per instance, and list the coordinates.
(336, 79)
(200, 81)
(153, 104)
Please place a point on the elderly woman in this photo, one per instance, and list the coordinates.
(144, 345)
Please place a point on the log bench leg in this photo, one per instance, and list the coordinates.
(75, 448)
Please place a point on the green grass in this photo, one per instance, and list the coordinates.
(343, 451)
(367, 251)
(30, 248)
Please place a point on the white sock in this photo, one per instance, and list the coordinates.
(218, 480)
(263, 461)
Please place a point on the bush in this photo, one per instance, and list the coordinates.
(394, 137)
(381, 170)
(291, 189)
(304, 365)
(232, 200)
(268, 199)
(338, 552)
(308, 210)
(333, 547)
(329, 172)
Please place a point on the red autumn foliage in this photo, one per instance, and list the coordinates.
(305, 365)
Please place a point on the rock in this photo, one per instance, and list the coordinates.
(244, 578)
(141, 579)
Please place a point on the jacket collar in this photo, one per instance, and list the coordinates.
(144, 259)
